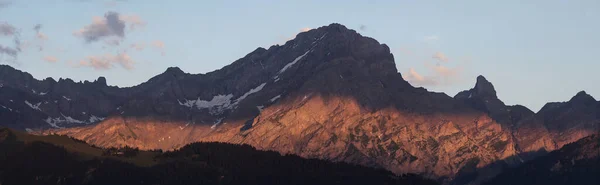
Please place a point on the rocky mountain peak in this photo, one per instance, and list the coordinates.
(101, 81)
(582, 97)
(484, 88)
(174, 70)
(483, 97)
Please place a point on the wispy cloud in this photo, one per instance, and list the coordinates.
(7, 29)
(101, 27)
(51, 59)
(108, 61)
(138, 46)
(414, 78)
(12, 52)
(283, 39)
(440, 56)
(362, 27)
(112, 42)
(42, 36)
(436, 74)
(133, 21)
(160, 45)
(5, 3)
(37, 28)
(111, 25)
(431, 38)
(38, 33)
(446, 72)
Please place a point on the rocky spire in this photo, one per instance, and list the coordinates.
(484, 88)
(582, 97)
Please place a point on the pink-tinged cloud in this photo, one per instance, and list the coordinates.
(38, 33)
(414, 78)
(112, 24)
(445, 71)
(51, 59)
(42, 36)
(138, 46)
(158, 44)
(108, 61)
(133, 21)
(436, 75)
(440, 56)
(283, 39)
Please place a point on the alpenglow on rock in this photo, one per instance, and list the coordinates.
(330, 93)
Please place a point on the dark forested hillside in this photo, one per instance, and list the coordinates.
(575, 163)
(26, 159)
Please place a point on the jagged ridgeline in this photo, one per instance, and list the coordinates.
(329, 93)
(575, 163)
(29, 159)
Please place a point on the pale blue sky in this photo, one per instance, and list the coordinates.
(533, 51)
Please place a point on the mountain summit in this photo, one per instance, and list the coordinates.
(329, 93)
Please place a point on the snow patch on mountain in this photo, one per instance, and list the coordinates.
(34, 106)
(54, 122)
(70, 119)
(40, 93)
(219, 100)
(289, 65)
(217, 105)
(220, 103)
(317, 40)
(275, 98)
(181, 128)
(9, 109)
(252, 91)
(94, 119)
(216, 123)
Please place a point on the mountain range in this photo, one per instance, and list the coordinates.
(575, 163)
(329, 94)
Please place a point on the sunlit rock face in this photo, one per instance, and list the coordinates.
(555, 125)
(330, 93)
